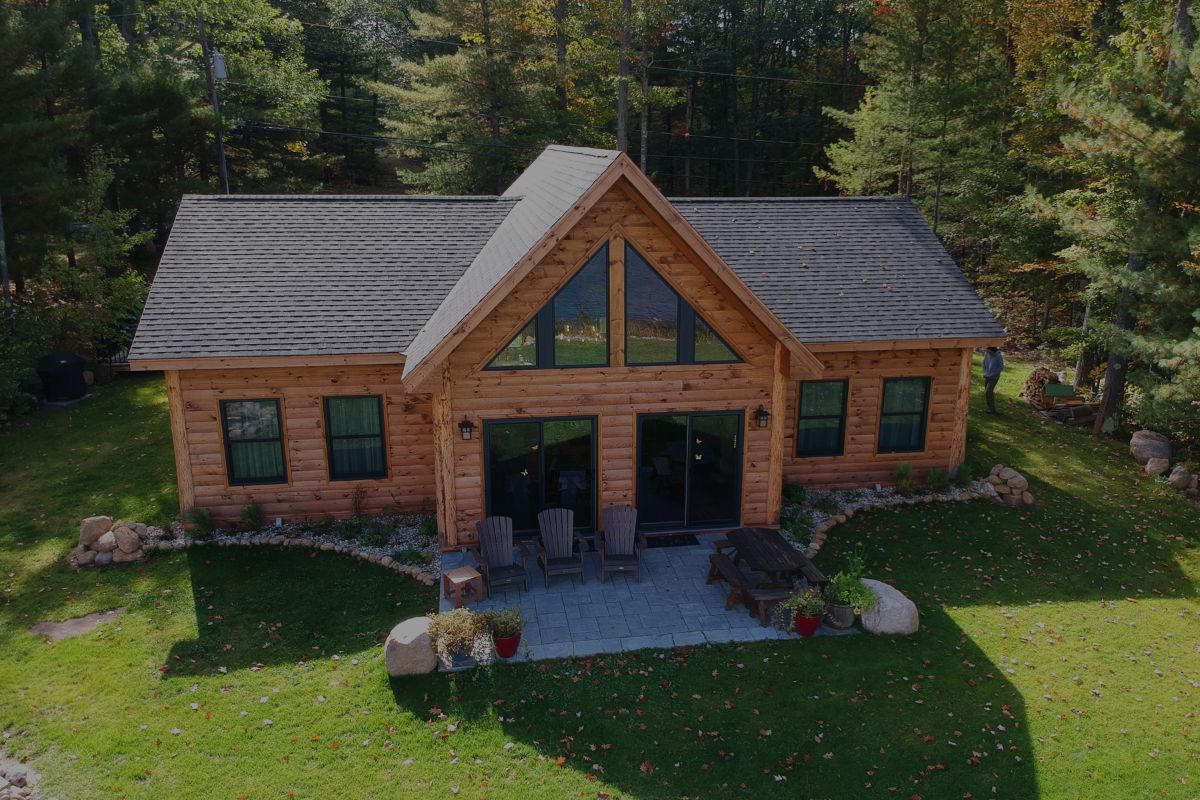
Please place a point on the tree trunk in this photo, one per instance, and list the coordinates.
(493, 92)
(1108, 418)
(688, 113)
(560, 51)
(1087, 357)
(623, 82)
(645, 121)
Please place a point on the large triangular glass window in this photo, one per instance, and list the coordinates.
(569, 331)
(660, 326)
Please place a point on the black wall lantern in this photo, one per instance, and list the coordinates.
(762, 417)
(466, 428)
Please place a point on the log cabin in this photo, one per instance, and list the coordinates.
(578, 341)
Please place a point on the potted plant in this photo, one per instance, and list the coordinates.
(460, 639)
(505, 625)
(848, 595)
(801, 612)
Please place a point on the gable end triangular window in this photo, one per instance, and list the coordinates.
(569, 331)
(660, 326)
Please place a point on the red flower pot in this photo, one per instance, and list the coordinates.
(807, 626)
(506, 646)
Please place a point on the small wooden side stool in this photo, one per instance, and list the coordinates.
(462, 584)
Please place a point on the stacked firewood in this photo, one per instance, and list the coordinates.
(1035, 386)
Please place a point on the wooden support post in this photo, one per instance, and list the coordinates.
(779, 387)
(443, 451)
(962, 406)
(616, 299)
(179, 440)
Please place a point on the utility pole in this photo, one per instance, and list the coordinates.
(209, 62)
(8, 305)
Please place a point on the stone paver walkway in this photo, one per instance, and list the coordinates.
(670, 607)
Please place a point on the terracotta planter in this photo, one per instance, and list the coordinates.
(840, 616)
(807, 626)
(506, 646)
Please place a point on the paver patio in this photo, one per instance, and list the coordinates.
(671, 606)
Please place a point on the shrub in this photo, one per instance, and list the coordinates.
(794, 494)
(252, 516)
(409, 555)
(503, 621)
(904, 483)
(202, 521)
(937, 480)
(846, 586)
(428, 526)
(962, 477)
(460, 632)
(808, 603)
(797, 523)
(827, 503)
(376, 532)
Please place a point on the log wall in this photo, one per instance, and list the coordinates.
(300, 391)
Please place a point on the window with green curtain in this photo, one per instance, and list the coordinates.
(354, 429)
(821, 426)
(903, 414)
(253, 441)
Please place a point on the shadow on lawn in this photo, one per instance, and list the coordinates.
(270, 606)
(860, 716)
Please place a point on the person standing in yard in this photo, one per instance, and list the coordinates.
(993, 365)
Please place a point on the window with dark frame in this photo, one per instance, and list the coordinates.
(355, 438)
(903, 415)
(660, 326)
(571, 330)
(821, 422)
(253, 434)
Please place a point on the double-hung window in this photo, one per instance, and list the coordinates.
(821, 426)
(253, 442)
(354, 432)
(903, 415)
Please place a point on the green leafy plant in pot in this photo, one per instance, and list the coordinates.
(801, 611)
(505, 625)
(848, 596)
(460, 638)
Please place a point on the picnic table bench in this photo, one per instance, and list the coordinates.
(766, 550)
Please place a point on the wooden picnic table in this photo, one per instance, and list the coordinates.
(766, 550)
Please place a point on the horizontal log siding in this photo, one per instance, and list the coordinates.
(614, 394)
(308, 492)
(860, 465)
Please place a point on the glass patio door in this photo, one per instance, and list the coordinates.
(689, 470)
(537, 464)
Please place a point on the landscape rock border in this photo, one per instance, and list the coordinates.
(853, 501)
(1152, 451)
(97, 534)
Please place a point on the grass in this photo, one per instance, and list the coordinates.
(1057, 656)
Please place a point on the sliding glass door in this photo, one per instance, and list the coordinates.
(689, 470)
(537, 464)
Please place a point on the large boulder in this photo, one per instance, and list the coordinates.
(103, 559)
(409, 650)
(1145, 445)
(106, 543)
(1157, 466)
(127, 539)
(93, 528)
(893, 612)
(119, 556)
(1181, 478)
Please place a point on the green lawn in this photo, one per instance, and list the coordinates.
(1059, 654)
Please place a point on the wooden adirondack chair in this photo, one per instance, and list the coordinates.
(494, 552)
(619, 544)
(556, 550)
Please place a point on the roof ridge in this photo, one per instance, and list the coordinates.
(596, 152)
(441, 198)
(802, 199)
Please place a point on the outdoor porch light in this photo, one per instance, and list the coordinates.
(762, 417)
(466, 428)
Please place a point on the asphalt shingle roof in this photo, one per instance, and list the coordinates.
(838, 269)
(247, 275)
(300, 275)
(548, 188)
